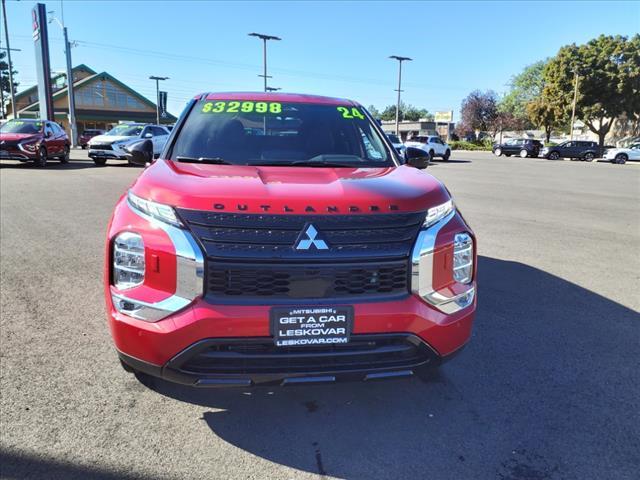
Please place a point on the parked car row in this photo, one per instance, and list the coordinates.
(573, 149)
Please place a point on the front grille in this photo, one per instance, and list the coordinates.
(255, 356)
(100, 146)
(294, 281)
(272, 237)
(252, 257)
(9, 144)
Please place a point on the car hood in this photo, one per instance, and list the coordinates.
(18, 136)
(290, 190)
(108, 139)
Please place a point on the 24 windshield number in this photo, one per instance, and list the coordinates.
(350, 113)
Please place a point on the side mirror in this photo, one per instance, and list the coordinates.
(140, 152)
(416, 157)
(148, 135)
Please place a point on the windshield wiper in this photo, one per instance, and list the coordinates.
(303, 163)
(211, 160)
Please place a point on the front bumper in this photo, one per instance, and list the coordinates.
(229, 345)
(16, 154)
(116, 153)
(246, 362)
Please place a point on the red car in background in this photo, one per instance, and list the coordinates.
(33, 140)
(87, 135)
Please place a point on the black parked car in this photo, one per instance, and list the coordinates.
(573, 149)
(523, 147)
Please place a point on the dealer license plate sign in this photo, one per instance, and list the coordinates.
(311, 326)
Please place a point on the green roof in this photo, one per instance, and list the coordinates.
(28, 91)
(92, 79)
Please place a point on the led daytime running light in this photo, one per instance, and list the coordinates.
(159, 211)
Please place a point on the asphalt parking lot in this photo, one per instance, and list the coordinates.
(548, 388)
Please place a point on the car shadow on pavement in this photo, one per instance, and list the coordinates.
(54, 165)
(545, 389)
(21, 466)
(437, 161)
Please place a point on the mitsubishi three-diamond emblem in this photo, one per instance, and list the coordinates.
(309, 238)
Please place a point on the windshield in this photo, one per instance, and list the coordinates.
(125, 131)
(275, 133)
(20, 126)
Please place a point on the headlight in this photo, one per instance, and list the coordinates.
(128, 260)
(437, 213)
(158, 211)
(462, 258)
(29, 145)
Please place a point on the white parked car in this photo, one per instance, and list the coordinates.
(621, 155)
(432, 145)
(396, 142)
(111, 144)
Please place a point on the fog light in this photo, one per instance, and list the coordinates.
(128, 260)
(463, 258)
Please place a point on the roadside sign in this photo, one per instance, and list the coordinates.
(444, 117)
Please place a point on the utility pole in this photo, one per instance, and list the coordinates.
(6, 33)
(70, 88)
(3, 113)
(575, 99)
(157, 79)
(264, 39)
(400, 60)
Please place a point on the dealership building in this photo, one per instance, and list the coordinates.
(101, 101)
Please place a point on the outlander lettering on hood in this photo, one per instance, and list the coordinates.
(281, 239)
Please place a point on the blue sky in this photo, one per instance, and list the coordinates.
(328, 48)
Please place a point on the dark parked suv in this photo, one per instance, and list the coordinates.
(573, 149)
(524, 147)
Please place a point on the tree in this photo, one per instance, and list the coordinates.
(375, 113)
(545, 113)
(414, 114)
(608, 70)
(524, 88)
(5, 88)
(478, 111)
(407, 112)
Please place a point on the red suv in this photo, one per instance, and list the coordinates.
(33, 140)
(87, 135)
(281, 239)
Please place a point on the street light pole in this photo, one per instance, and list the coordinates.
(575, 99)
(400, 60)
(6, 33)
(264, 39)
(157, 79)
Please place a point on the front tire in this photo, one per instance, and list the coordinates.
(65, 156)
(497, 152)
(554, 156)
(524, 153)
(621, 159)
(41, 159)
(446, 155)
(431, 155)
(99, 161)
